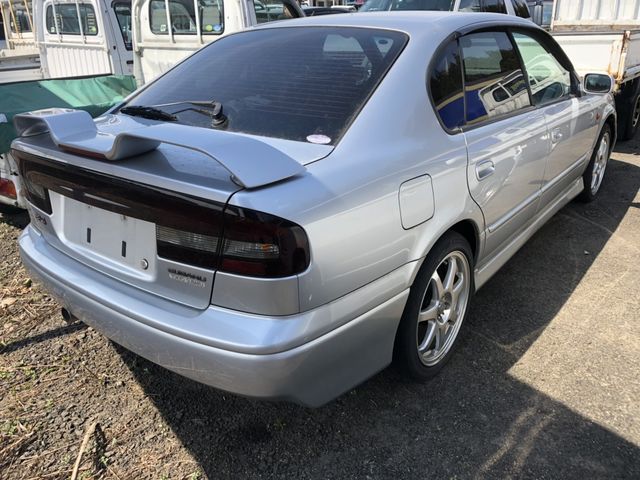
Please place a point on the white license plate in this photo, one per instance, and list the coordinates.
(108, 237)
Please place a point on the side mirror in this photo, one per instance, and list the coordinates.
(597, 83)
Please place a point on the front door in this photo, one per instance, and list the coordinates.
(571, 118)
(119, 18)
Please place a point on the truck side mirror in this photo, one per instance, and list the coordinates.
(597, 83)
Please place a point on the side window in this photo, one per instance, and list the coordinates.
(271, 10)
(469, 6)
(521, 8)
(123, 15)
(445, 85)
(548, 79)
(68, 22)
(494, 6)
(183, 18)
(494, 83)
(20, 20)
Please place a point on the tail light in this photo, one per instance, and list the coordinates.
(253, 244)
(262, 245)
(7, 188)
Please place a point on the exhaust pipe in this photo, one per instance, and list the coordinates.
(68, 316)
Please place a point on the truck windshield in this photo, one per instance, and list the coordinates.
(297, 83)
(381, 5)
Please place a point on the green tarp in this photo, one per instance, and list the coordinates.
(94, 95)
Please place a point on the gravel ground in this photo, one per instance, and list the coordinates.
(545, 383)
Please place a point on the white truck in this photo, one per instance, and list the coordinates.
(65, 39)
(167, 31)
(604, 36)
(19, 55)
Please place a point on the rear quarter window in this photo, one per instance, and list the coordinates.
(297, 83)
(445, 86)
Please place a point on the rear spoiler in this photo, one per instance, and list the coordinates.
(250, 162)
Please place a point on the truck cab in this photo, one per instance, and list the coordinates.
(167, 31)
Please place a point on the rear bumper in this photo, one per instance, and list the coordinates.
(310, 373)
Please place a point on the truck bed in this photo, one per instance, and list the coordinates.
(614, 52)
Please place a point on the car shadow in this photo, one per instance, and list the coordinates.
(19, 219)
(474, 420)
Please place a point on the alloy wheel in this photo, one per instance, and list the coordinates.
(443, 307)
(600, 163)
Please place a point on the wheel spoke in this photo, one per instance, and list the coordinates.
(439, 338)
(435, 278)
(456, 291)
(450, 277)
(428, 337)
(429, 313)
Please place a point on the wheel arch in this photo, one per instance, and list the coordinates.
(611, 121)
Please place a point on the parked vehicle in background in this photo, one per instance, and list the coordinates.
(167, 31)
(541, 12)
(510, 7)
(239, 223)
(19, 55)
(60, 53)
(314, 11)
(604, 36)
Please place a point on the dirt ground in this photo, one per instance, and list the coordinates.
(545, 384)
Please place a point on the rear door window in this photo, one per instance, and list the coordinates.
(494, 83)
(304, 84)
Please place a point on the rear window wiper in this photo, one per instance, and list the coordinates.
(214, 110)
(148, 112)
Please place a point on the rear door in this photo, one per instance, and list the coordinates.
(506, 135)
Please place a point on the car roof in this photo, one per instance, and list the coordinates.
(411, 22)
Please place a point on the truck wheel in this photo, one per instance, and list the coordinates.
(594, 174)
(628, 107)
(436, 308)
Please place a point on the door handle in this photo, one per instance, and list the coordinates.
(556, 135)
(485, 169)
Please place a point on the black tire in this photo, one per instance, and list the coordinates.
(589, 194)
(628, 108)
(406, 350)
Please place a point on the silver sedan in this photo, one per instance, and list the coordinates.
(294, 206)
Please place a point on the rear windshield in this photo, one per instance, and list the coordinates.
(299, 83)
